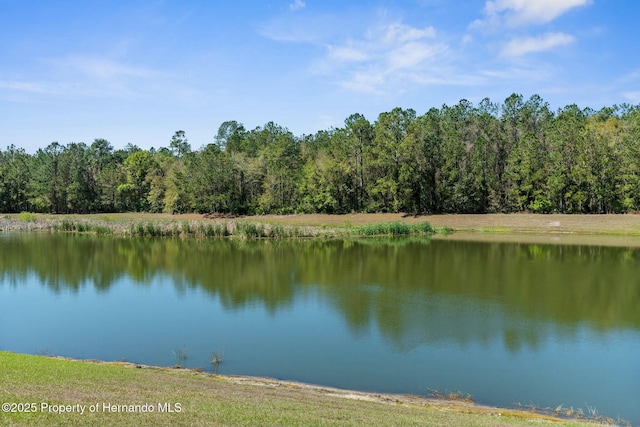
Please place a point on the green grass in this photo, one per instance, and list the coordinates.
(397, 228)
(26, 216)
(210, 400)
(250, 230)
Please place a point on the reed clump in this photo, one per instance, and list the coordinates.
(72, 226)
(395, 228)
(249, 230)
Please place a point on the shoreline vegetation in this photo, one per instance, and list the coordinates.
(598, 229)
(204, 226)
(199, 398)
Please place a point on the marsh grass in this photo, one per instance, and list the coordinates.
(216, 361)
(592, 411)
(161, 227)
(589, 414)
(182, 356)
(397, 228)
(152, 230)
(221, 230)
(71, 226)
(249, 230)
(393, 228)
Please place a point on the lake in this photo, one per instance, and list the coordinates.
(507, 323)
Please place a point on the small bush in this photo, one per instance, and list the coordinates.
(26, 216)
(394, 228)
(101, 230)
(278, 232)
(423, 228)
(152, 231)
(186, 228)
(221, 230)
(67, 225)
(250, 230)
(541, 205)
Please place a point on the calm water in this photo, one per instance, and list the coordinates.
(506, 323)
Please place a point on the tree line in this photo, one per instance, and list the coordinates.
(509, 157)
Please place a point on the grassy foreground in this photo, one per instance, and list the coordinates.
(61, 392)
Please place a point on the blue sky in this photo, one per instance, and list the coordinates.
(136, 71)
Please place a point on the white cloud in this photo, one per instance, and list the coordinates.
(632, 96)
(400, 33)
(297, 5)
(46, 88)
(368, 81)
(521, 73)
(411, 55)
(525, 45)
(630, 77)
(23, 86)
(86, 76)
(515, 13)
(385, 57)
(347, 54)
(102, 68)
(299, 28)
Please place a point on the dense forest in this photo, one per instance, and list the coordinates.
(509, 157)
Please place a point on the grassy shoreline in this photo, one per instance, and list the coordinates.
(202, 399)
(321, 225)
(200, 226)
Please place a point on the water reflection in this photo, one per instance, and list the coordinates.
(413, 291)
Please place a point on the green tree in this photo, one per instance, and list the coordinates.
(628, 151)
(81, 191)
(134, 193)
(420, 163)
(358, 144)
(569, 174)
(389, 133)
(231, 136)
(103, 169)
(159, 180)
(327, 179)
(47, 192)
(280, 154)
(15, 174)
(527, 166)
(179, 144)
(604, 137)
(457, 184)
